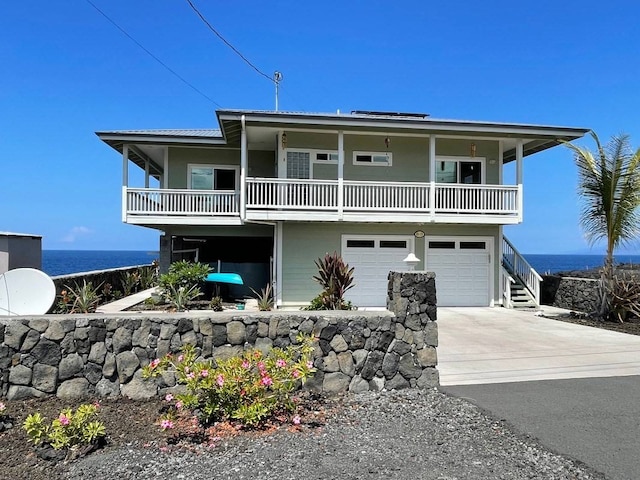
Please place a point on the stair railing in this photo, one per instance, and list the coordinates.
(517, 266)
(507, 280)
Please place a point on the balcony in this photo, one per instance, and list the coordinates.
(327, 200)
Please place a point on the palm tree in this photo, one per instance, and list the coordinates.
(609, 184)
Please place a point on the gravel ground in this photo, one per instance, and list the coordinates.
(400, 435)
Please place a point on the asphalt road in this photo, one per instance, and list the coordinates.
(594, 420)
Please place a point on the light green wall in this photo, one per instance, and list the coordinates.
(260, 163)
(305, 242)
(410, 155)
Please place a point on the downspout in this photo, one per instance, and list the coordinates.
(243, 170)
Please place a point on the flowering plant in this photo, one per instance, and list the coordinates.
(3, 408)
(249, 388)
(68, 430)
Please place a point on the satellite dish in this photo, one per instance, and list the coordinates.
(26, 291)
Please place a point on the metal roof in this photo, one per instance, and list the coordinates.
(167, 132)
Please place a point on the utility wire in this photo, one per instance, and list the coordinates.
(153, 56)
(193, 7)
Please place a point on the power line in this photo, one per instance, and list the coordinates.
(153, 56)
(193, 7)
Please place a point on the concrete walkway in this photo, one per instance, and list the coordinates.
(497, 345)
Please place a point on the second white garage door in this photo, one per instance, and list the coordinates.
(463, 270)
(373, 257)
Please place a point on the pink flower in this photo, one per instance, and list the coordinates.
(295, 374)
(96, 404)
(309, 364)
(191, 375)
(281, 363)
(220, 380)
(154, 363)
(168, 397)
(3, 407)
(261, 366)
(166, 424)
(204, 373)
(179, 405)
(296, 420)
(180, 358)
(266, 381)
(246, 365)
(64, 420)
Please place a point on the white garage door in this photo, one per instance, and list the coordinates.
(463, 270)
(373, 258)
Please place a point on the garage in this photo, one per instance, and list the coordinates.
(463, 270)
(373, 257)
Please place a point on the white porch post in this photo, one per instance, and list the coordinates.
(165, 169)
(243, 170)
(146, 173)
(282, 157)
(125, 179)
(432, 176)
(500, 161)
(277, 232)
(340, 174)
(519, 174)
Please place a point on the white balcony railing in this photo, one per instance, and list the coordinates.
(165, 202)
(273, 198)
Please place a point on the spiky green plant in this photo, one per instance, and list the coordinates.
(85, 298)
(265, 298)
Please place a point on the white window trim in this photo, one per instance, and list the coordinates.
(313, 152)
(482, 160)
(389, 156)
(236, 168)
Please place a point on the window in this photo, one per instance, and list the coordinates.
(458, 171)
(212, 177)
(361, 243)
(473, 245)
(442, 245)
(326, 157)
(393, 244)
(379, 159)
(298, 165)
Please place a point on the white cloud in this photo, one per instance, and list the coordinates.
(76, 232)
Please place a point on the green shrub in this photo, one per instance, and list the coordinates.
(79, 299)
(216, 304)
(265, 298)
(249, 389)
(184, 274)
(68, 430)
(179, 297)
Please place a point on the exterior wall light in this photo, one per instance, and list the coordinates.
(412, 261)
(283, 140)
(473, 150)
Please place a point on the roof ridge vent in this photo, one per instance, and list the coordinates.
(371, 113)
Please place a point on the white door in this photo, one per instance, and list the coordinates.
(463, 270)
(373, 257)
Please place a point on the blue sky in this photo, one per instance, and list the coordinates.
(67, 72)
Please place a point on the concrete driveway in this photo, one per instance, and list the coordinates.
(497, 345)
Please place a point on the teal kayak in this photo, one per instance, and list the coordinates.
(232, 278)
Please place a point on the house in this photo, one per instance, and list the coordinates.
(270, 192)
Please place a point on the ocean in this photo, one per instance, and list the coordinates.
(63, 262)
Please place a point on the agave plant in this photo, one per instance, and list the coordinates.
(335, 277)
(179, 297)
(265, 298)
(85, 298)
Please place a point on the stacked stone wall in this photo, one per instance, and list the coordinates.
(578, 294)
(103, 355)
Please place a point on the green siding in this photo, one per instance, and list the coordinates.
(305, 242)
(260, 163)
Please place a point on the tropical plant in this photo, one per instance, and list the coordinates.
(80, 299)
(129, 282)
(249, 388)
(336, 278)
(184, 274)
(68, 430)
(609, 186)
(148, 276)
(216, 304)
(265, 298)
(179, 297)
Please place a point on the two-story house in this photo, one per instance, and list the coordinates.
(270, 192)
